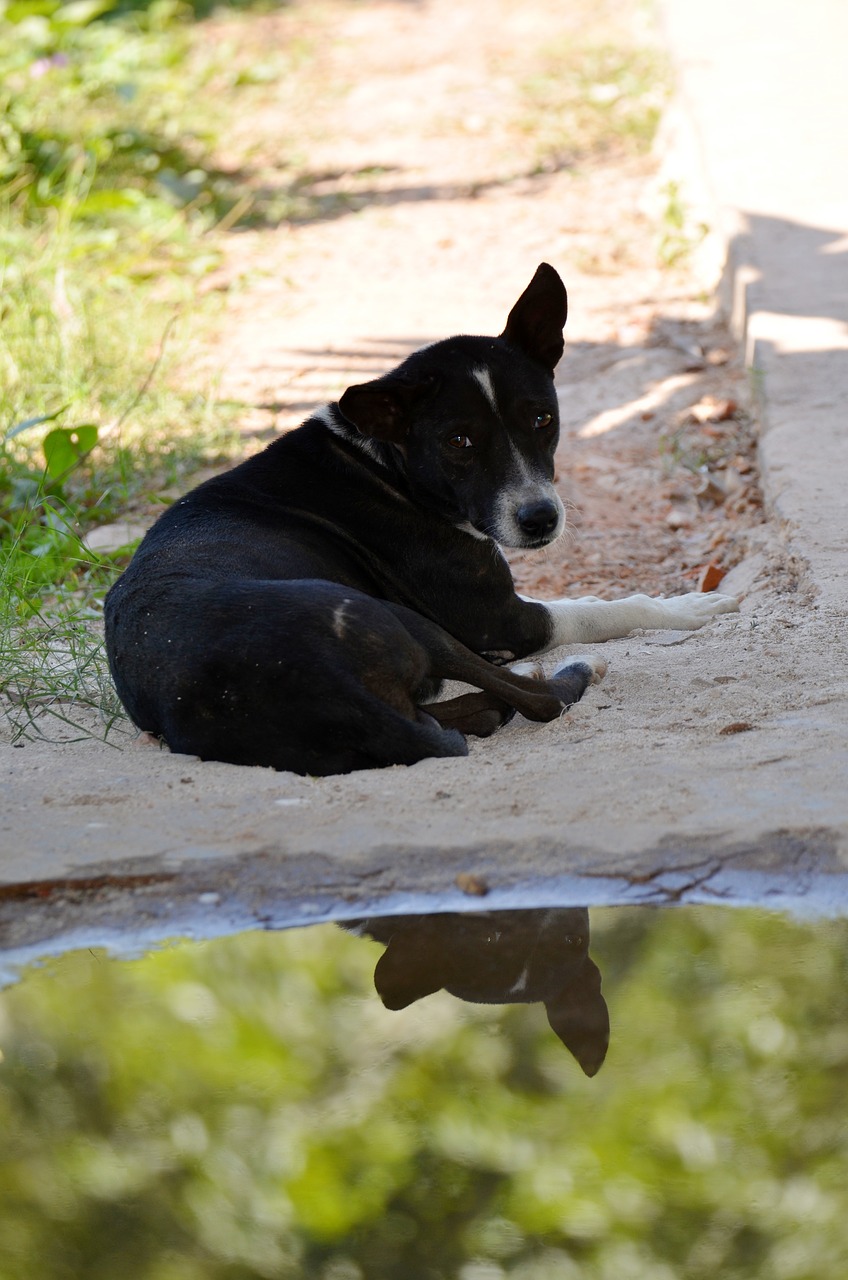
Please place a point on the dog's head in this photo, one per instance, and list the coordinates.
(474, 422)
(499, 957)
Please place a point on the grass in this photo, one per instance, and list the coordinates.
(109, 205)
(679, 237)
(56, 683)
(589, 100)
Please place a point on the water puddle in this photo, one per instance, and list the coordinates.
(500, 1094)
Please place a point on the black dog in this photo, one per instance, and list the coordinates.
(499, 957)
(301, 609)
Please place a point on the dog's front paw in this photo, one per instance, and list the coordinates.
(689, 612)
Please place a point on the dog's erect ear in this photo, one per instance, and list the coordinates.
(580, 1017)
(382, 408)
(536, 321)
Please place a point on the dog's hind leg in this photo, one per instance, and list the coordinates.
(479, 714)
(536, 699)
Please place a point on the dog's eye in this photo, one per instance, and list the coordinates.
(459, 442)
(542, 420)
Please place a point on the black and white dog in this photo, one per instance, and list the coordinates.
(301, 610)
(498, 957)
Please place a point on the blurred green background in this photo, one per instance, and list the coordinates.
(246, 1108)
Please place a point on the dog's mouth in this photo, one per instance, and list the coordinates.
(533, 544)
(537, 543)
(513, 541)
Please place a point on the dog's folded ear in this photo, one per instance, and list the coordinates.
(406, 972)
(382, 408)
(535, 323)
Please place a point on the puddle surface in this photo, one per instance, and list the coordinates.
(248, 1107)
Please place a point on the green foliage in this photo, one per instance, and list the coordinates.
(53, 672)
(104, 208)
(107, 199)
(74, 138)
(246, 1108)
(678, 237)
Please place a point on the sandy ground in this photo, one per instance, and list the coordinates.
(675, 771)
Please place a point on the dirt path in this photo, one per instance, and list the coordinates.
(442, 167)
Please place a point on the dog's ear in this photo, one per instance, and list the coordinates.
(536, 322)
(382, 408)
(580, 1017)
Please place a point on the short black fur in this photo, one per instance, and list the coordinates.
(301, 610)
(498, 957)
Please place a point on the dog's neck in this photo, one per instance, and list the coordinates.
(377, 450)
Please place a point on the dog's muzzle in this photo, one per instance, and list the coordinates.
(538, 519)
(529, 517)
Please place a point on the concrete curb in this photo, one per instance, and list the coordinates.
(779, 203)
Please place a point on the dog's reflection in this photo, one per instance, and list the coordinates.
(498, 957)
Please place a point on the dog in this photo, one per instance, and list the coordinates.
(301, 610)
(498, 957)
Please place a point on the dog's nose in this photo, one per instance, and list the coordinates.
(538, 518)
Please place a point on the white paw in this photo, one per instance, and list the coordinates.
(532, 670)
(596, 665)
(687, 613)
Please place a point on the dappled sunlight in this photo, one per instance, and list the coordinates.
(657, 397)
(790, 335)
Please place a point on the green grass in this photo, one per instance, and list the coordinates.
(56, 684)
(109, 204)
(587, 100)
(679, 235)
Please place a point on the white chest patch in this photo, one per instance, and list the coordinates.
(521, 984)
(475, 533)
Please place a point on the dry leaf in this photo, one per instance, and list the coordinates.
(711, 409)
(677, 518)
(711, 576)
(710, 492)
(474, 886)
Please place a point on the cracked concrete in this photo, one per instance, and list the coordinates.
(708, 766)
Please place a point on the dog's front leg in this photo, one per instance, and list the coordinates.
(589, 620)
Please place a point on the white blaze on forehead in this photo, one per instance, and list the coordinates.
(484, 378)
